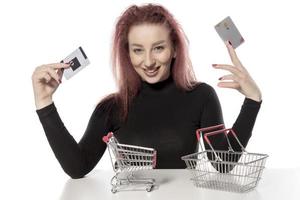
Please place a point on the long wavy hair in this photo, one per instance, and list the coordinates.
(128, 81)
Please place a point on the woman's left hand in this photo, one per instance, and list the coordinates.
(239, 78)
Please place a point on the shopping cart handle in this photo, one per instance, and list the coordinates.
(154, 159)
(107, 137)
(210, 128)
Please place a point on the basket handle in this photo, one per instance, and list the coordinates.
(226, 132)
(107, 137)
(207, 129)
(210, 128)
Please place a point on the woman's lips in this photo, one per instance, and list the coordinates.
(152, 72)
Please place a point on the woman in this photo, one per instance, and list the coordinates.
(159, 103)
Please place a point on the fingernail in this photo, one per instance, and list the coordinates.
(214, 65)
(59, 80)
(220, 78)
(229, 42)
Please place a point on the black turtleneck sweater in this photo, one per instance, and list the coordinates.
(161, 117)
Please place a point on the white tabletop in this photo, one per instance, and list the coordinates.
(176, 184)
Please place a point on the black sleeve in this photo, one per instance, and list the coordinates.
(243, 125)
(76, 159)
(245, 122)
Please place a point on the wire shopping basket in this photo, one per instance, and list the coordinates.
(224, 170)
(126, 159)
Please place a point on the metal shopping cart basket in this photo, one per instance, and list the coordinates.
(224, 170)
(126, 159)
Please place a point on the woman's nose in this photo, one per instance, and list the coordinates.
(149, 61)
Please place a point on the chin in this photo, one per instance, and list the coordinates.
(152, 80)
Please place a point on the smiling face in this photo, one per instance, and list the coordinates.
(151, 51)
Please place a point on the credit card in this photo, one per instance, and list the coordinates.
(228, 32)
(78, 60)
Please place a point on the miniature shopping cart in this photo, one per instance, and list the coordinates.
(127, 159)
(224, 170)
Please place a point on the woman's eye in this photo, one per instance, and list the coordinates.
(137, 50)
(159, 48)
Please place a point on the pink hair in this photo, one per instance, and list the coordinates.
(127, 79)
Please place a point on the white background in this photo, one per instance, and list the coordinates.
(37, 32)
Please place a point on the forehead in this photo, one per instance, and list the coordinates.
(147, 34)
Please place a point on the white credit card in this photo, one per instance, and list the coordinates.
(78, 60)
(228, 32)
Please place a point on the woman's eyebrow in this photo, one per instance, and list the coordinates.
(155, 43)
(158, 42)
(134, 44)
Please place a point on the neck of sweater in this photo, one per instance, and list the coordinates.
(159, 87)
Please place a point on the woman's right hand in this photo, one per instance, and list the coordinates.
(45, 81)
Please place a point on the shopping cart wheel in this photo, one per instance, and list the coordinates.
(113, 190)
(149, 188)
